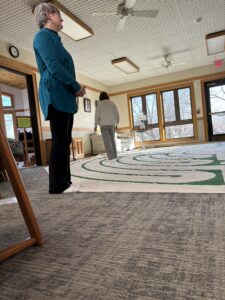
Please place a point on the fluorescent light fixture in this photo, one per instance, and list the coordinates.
(72, 26)
(125, 65)
(215, 42)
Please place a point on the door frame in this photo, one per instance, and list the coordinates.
(30, 72)
(204, 104)
(2, 121)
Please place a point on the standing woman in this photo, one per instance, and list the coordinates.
(107, 116)
(58, 89)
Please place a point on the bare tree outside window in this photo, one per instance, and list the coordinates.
(217, 103)
(185, 104)
(177, 119)
(177, 113)
(169, 106)
(152, 111)
(137, 109)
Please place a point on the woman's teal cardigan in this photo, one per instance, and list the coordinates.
(58, 84)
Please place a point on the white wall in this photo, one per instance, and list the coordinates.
(18, 95)
(121, 99)
(173, 77)
(122, 105)
(84, 121)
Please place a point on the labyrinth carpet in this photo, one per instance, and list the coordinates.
(183, 169)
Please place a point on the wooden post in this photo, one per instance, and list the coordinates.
(22, 198)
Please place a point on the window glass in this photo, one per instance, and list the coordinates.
(148, 135)
(169, 106)
(9, 125)
(217, 98)
(179, 131)
(6, 101)
(185, 104)
(152, 112)
(218, 124)
(137, 109)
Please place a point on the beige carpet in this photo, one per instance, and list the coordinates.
(116, 246)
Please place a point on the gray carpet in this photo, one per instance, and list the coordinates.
(116, 246)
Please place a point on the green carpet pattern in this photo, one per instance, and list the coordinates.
(195, 168)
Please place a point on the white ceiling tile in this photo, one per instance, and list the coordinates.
(144, 41)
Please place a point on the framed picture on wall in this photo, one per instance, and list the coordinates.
(87, 105)
(23, 122)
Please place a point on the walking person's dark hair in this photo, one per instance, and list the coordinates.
(103, 96)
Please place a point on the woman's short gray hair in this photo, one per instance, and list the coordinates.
(41, 11)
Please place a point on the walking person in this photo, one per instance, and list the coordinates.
(58, 89)
(107, 117)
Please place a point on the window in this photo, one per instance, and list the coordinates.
(147, 105)
(9, 115)
(137, 109)
(177, 113)
(9, 125)
(176, 116)
(7, 100)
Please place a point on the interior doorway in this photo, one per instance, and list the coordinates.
(215, 109)
(18, 113)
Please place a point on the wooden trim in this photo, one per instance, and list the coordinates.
(193, 106)
(160, 116)
(2, 120)
(176, 142)
(121, 129)
(27, 70)
(47, 129)
(148, 88)
(16, 110)
(130, 112)
(38, 113)
(22, 198)
(16, 65)
(83, 129)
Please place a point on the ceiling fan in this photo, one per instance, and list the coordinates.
(125, 10)
(166, 63)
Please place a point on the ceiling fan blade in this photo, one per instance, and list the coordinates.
(121, 23)
(104, 13)
(145, 13)
(129, 3)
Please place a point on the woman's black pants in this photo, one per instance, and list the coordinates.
(61, 124)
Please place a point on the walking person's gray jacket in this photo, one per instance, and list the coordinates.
(106, 113)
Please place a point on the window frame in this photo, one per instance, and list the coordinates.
(161, 121)
(178, 121)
